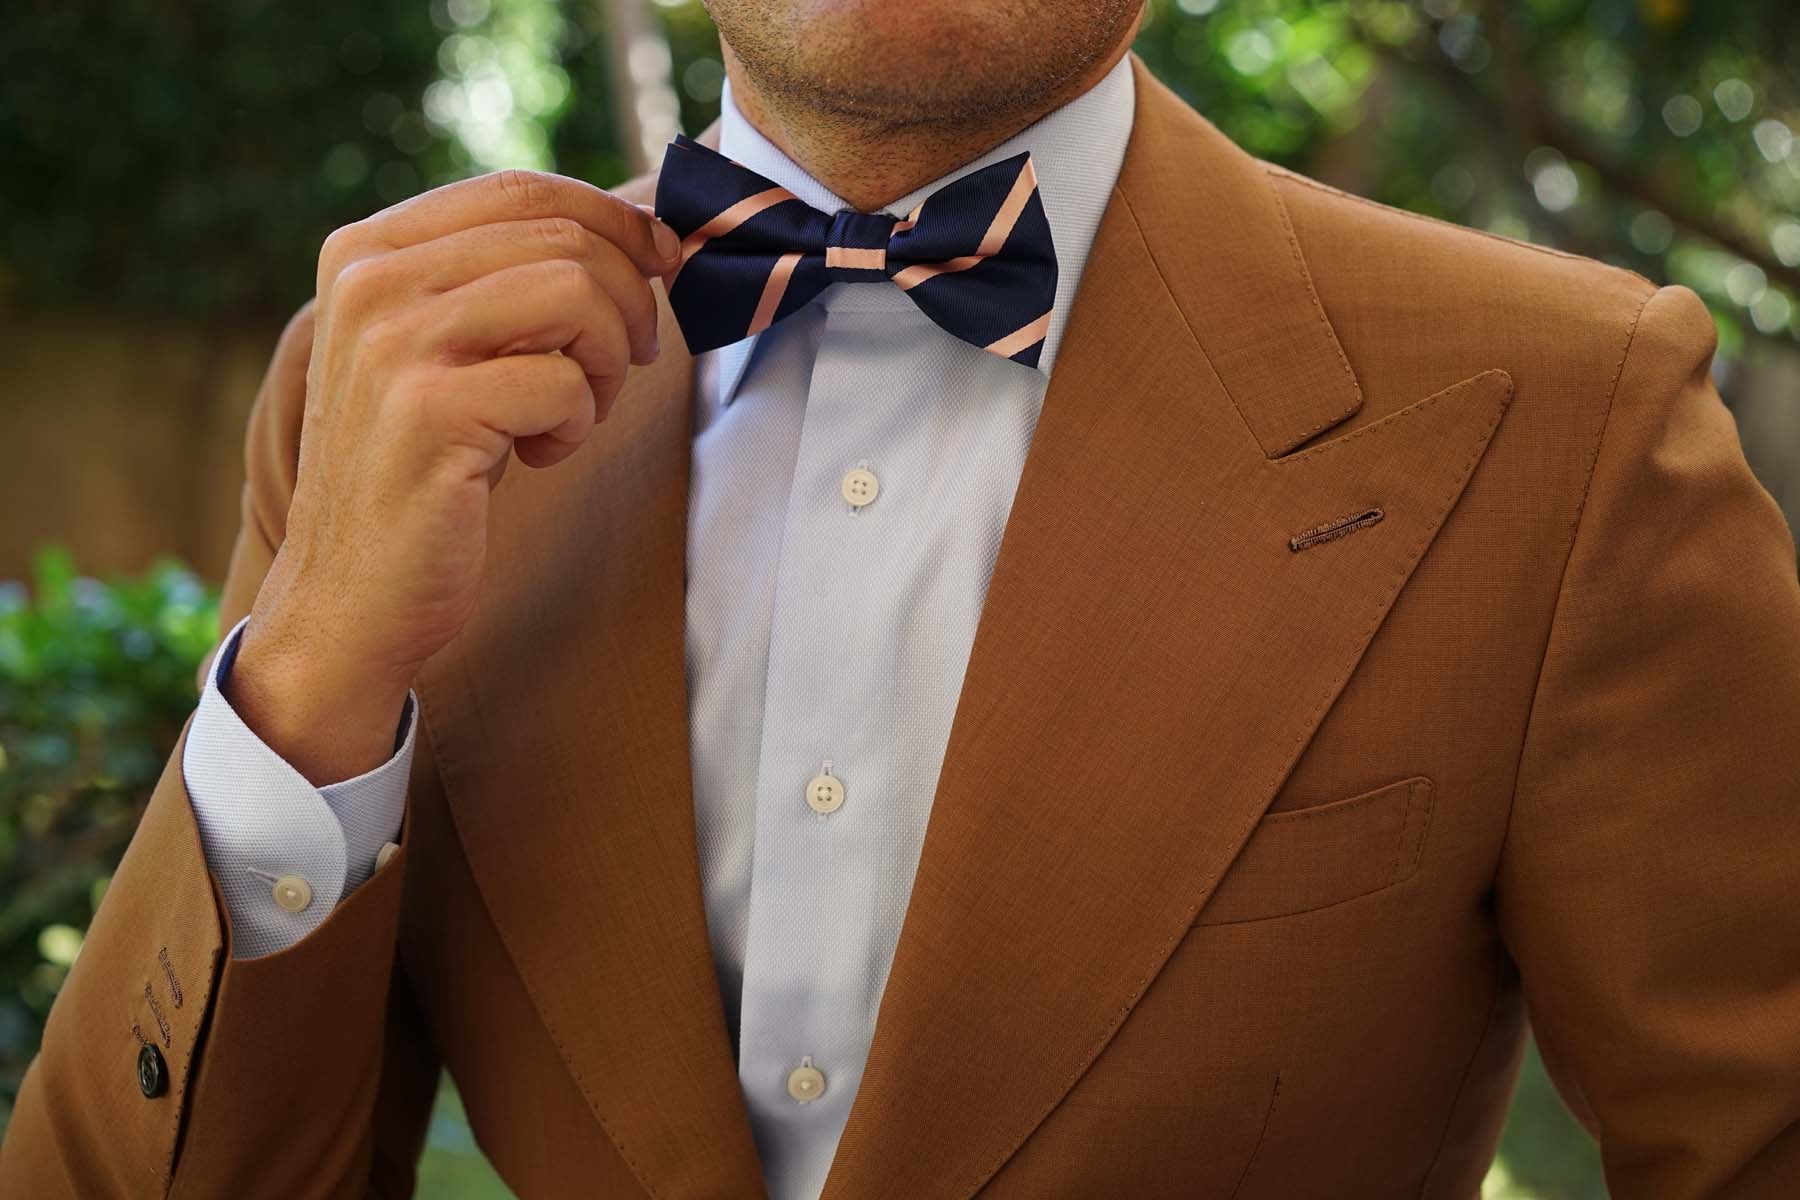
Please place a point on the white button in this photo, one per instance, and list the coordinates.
(806, 1082)
(825, 793)
(292, 893)
(387, 851)
(860, 487)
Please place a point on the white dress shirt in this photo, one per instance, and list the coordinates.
(853, 469)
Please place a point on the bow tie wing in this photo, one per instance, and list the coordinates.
(978, 258)
(751, 252)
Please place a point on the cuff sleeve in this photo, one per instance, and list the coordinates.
(282, 851)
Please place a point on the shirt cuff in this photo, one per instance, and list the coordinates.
(282, 851)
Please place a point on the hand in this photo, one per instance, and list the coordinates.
(491, 317)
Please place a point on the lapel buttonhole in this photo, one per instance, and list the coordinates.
(1332, 530)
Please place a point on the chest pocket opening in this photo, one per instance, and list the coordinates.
(1310, 858)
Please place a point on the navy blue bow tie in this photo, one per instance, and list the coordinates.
(975, 256)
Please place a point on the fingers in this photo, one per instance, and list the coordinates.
(511, 305)
(450, 262)
(543, 404)
(532, 309)
(504, 196)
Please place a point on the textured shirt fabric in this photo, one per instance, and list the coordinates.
(820, 633)
(260, 820)
(821, 638)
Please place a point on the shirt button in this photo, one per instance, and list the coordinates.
(806, 1082)
(292, 893)
(153, 1078)
(387, 851)
(825, 793)
(860, 487)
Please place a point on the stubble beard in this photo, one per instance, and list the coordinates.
(950, 79)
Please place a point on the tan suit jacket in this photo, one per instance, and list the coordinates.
(1252, 850)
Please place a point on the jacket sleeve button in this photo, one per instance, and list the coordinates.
(153, 1077)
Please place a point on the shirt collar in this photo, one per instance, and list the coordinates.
(1077, 150)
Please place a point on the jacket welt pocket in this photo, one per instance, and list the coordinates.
(1311, 858)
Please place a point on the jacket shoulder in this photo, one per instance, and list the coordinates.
(1418, 304)
(1438, 275)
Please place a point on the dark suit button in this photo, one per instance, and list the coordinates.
(153, 1077)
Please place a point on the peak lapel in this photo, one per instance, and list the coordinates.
(559, 723)
(1153, 655)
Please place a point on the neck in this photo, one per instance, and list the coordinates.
(871, 164)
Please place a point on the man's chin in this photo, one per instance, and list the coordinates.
(899, 62)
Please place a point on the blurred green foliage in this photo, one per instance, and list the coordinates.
(189, 156)
(95, 682)
(194, 153)
(1659, 135)
(1544, 1155)
(1655, 134)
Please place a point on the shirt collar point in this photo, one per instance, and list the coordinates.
(730, 363)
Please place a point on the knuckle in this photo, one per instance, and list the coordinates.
(631, 225)
(562, 236)
(337, 250)
(574, 380)
(384, 340)
(525, 192)
(359, 283)
(409, 400)
(568, 275)
(563, 375)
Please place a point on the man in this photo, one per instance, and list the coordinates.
(1103, 668)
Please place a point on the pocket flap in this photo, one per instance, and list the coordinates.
(1309, 858)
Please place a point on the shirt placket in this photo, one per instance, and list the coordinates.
(819, 933)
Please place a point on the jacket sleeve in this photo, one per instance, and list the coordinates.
(1649, 889)
(302, 1073)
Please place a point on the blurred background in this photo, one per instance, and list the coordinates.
(168, 169)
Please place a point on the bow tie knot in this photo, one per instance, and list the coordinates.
(856, 248)
(975, 256)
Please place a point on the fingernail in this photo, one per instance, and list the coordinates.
(666, 242)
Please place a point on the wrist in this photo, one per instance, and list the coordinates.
(327, 713)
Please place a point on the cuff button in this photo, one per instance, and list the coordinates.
(153, 1076)
(386, 853)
